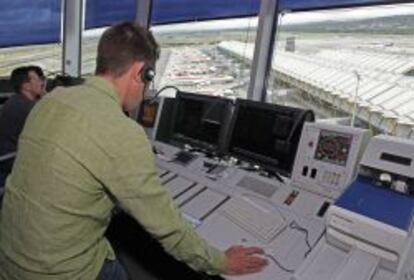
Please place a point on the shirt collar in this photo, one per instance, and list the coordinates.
(103, 86)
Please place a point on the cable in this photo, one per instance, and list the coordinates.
(161, 90)
(296, 226)
(279, 264)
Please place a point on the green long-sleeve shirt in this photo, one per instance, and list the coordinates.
(78, 156)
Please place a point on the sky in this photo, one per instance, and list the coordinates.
(290, 18)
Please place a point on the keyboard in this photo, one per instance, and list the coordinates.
(265, 225)
(183, 157)
(258, 186)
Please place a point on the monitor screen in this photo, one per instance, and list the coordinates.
(267, 134)
(333, 147)
(200, 120)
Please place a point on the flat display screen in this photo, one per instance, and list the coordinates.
(199, 120)
(267, 134)
(333, 147)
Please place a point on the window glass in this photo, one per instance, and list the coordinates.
(26, 22)
(106, 12)
(48, 57)
(195, 56)
(351, 64)
(89, 47)
(174, 11)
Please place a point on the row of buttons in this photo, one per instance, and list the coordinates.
(331, 178)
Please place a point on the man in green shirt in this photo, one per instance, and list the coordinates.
(79, 156)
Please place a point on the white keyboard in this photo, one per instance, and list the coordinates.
(263, 224)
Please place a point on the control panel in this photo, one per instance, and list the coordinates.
(327, 157)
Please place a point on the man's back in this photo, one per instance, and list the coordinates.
(78, 154)
(60, 210)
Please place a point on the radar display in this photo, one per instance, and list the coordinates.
(333, 147)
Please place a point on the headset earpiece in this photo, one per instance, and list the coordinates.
(147, 74)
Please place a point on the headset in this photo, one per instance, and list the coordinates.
(147, 74)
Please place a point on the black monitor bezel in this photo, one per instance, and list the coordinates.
(208, 147)
(265, 162)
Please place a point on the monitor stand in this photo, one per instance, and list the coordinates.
(184, 157)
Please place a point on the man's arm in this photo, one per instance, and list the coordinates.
(132, 179)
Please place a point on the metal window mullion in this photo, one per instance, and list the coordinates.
(143, 14)
(72, 37)
(143, 17)
(263, 51)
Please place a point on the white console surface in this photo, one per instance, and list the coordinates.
(228, 205)
(203, 199)
(327, 262)
(288, 218)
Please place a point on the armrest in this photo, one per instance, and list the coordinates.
(7, 156)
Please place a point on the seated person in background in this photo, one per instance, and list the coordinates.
(29, 85)
(79, 156)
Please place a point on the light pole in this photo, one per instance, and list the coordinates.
(358, 77)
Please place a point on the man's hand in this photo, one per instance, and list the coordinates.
(243, 260)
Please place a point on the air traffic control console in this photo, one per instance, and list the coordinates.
(369, 227)
(297, 221)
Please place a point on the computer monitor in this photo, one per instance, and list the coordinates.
(267, 134)
(201, 121)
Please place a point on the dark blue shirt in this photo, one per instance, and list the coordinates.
(13, 115)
